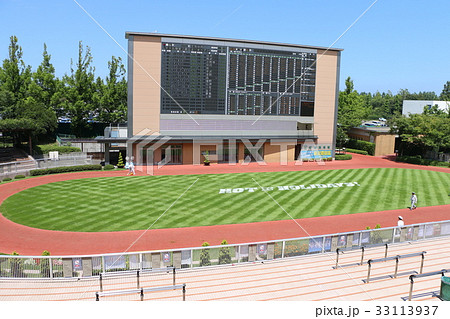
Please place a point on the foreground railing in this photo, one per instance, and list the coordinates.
(94, 265)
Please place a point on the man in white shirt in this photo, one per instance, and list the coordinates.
(400, 222)
(413, 201)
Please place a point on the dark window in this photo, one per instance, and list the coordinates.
(307, 109)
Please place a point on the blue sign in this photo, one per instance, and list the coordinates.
(315, 152)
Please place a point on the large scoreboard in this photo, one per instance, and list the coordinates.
(237, 80)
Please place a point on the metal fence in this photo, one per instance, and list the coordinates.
(72, 159)
(94, 265)
(17, 167)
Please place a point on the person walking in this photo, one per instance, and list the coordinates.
(400, 222)
(413, 201)
(132, 171)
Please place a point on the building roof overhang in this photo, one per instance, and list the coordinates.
(162, 35)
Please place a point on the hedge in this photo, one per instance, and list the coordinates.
(19, 176)
(7, 179)
(418, 160)
(108, 167)
(361, 145)
(343, 157)
(65, 169)
(351, 150)
(44, 149)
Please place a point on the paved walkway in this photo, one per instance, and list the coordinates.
(31, 241)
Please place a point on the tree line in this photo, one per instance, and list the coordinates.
(33, 100)
(418, 132)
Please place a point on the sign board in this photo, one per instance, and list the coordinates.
(311, 151)
(262, 250)
(166, 257)
(54, 156)
(315, 245)
(77, 264)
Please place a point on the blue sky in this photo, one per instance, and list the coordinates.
(396, 44)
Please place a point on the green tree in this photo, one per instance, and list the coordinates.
(45, 83)
(120, 163)
(205, 259)
(351, 111)
(76, 95)
(15, 78)
(445, 94)
(424, 131)
(224, 254)
(111, 96)
(43, 117)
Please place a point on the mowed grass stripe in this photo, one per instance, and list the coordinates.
(327, 203)
(131, 203)
(312, 201)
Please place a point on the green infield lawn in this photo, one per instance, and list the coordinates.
(135, 202)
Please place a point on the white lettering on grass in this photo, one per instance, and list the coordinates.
(286, 188)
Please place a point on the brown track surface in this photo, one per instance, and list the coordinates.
(31, 241)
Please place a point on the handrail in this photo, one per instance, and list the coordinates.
(427, 274)
(17, 162)
(137, 272)
(396, 258)
(140, 291)
(363, 247)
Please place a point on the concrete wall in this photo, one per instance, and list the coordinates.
(325, 110)
(146, 89)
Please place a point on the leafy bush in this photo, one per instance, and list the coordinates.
(7, 179)
(351, 150)
(205, 258)
(65, 169)
(224, 254)
(343, 157)
(108, 167)
(361, 145)
(44, 265)
(418, 160)
(16, 265)
(44, 149)
(443, 164)
(19, 176)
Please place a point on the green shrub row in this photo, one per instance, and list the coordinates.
(7, 179)
(361, 145)
(352, 150)
(343, 157)
(44, 149)
(418, 160)
(108, 167)
(57, 170)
